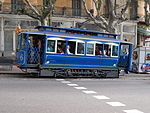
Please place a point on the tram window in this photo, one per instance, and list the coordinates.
(18, 43)
(99, 49)
(114, 50)
(23, 43)
(80, 48)
(31, 41)
(51, 45)
(90, 49)
(124, 49)
(71, 48)
(107, 50)
(61, 45)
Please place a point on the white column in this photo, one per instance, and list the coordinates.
(136, 34)
(74, 24)
(2, 35)
(121, 33)
(14, 42)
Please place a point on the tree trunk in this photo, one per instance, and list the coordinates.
(43, 22)
(50, 19)
(147, 15)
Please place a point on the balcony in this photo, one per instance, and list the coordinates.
(69, 12)
(7, 8)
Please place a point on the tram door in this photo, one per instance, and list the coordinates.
(35, 49)
(124, 55)
(21, 50)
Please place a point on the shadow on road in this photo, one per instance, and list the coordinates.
(32, 76)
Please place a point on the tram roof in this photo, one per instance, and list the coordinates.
(75, 36)
(74, 30)
(103, 36)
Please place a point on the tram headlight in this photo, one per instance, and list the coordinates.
(114, 65)
(47, 62)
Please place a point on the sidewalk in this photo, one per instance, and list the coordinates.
(7, 70)
(137, 75)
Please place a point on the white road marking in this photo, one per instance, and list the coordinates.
(59, 79)
(115, 104)
(133, 111)
(89, 92)
(72, 84)
(101, 97)
(80, 88)
(65, 82)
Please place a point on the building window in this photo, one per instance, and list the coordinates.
(76, 7)
(134, 10)
(0, 5)
(147, 43)
(16, 6)
(45, 2)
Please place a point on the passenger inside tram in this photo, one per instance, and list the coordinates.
(68, 49)
(99, 49)
(107, 50)
(60, 50)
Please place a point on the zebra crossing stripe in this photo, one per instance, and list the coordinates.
(133, 111)
(65, 82)
(59, 79)
(72, 84)
(80, 88)
(115, 104)
(89, 92)
(101, 97)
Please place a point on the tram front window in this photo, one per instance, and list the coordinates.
(114, 50)
(124, 50)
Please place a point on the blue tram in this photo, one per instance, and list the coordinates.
(68, 52)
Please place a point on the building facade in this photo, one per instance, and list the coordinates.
(67, 13)
(143, 25)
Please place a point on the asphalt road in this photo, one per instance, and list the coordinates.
(25, 94)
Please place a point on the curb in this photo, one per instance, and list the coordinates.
(16, 73)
